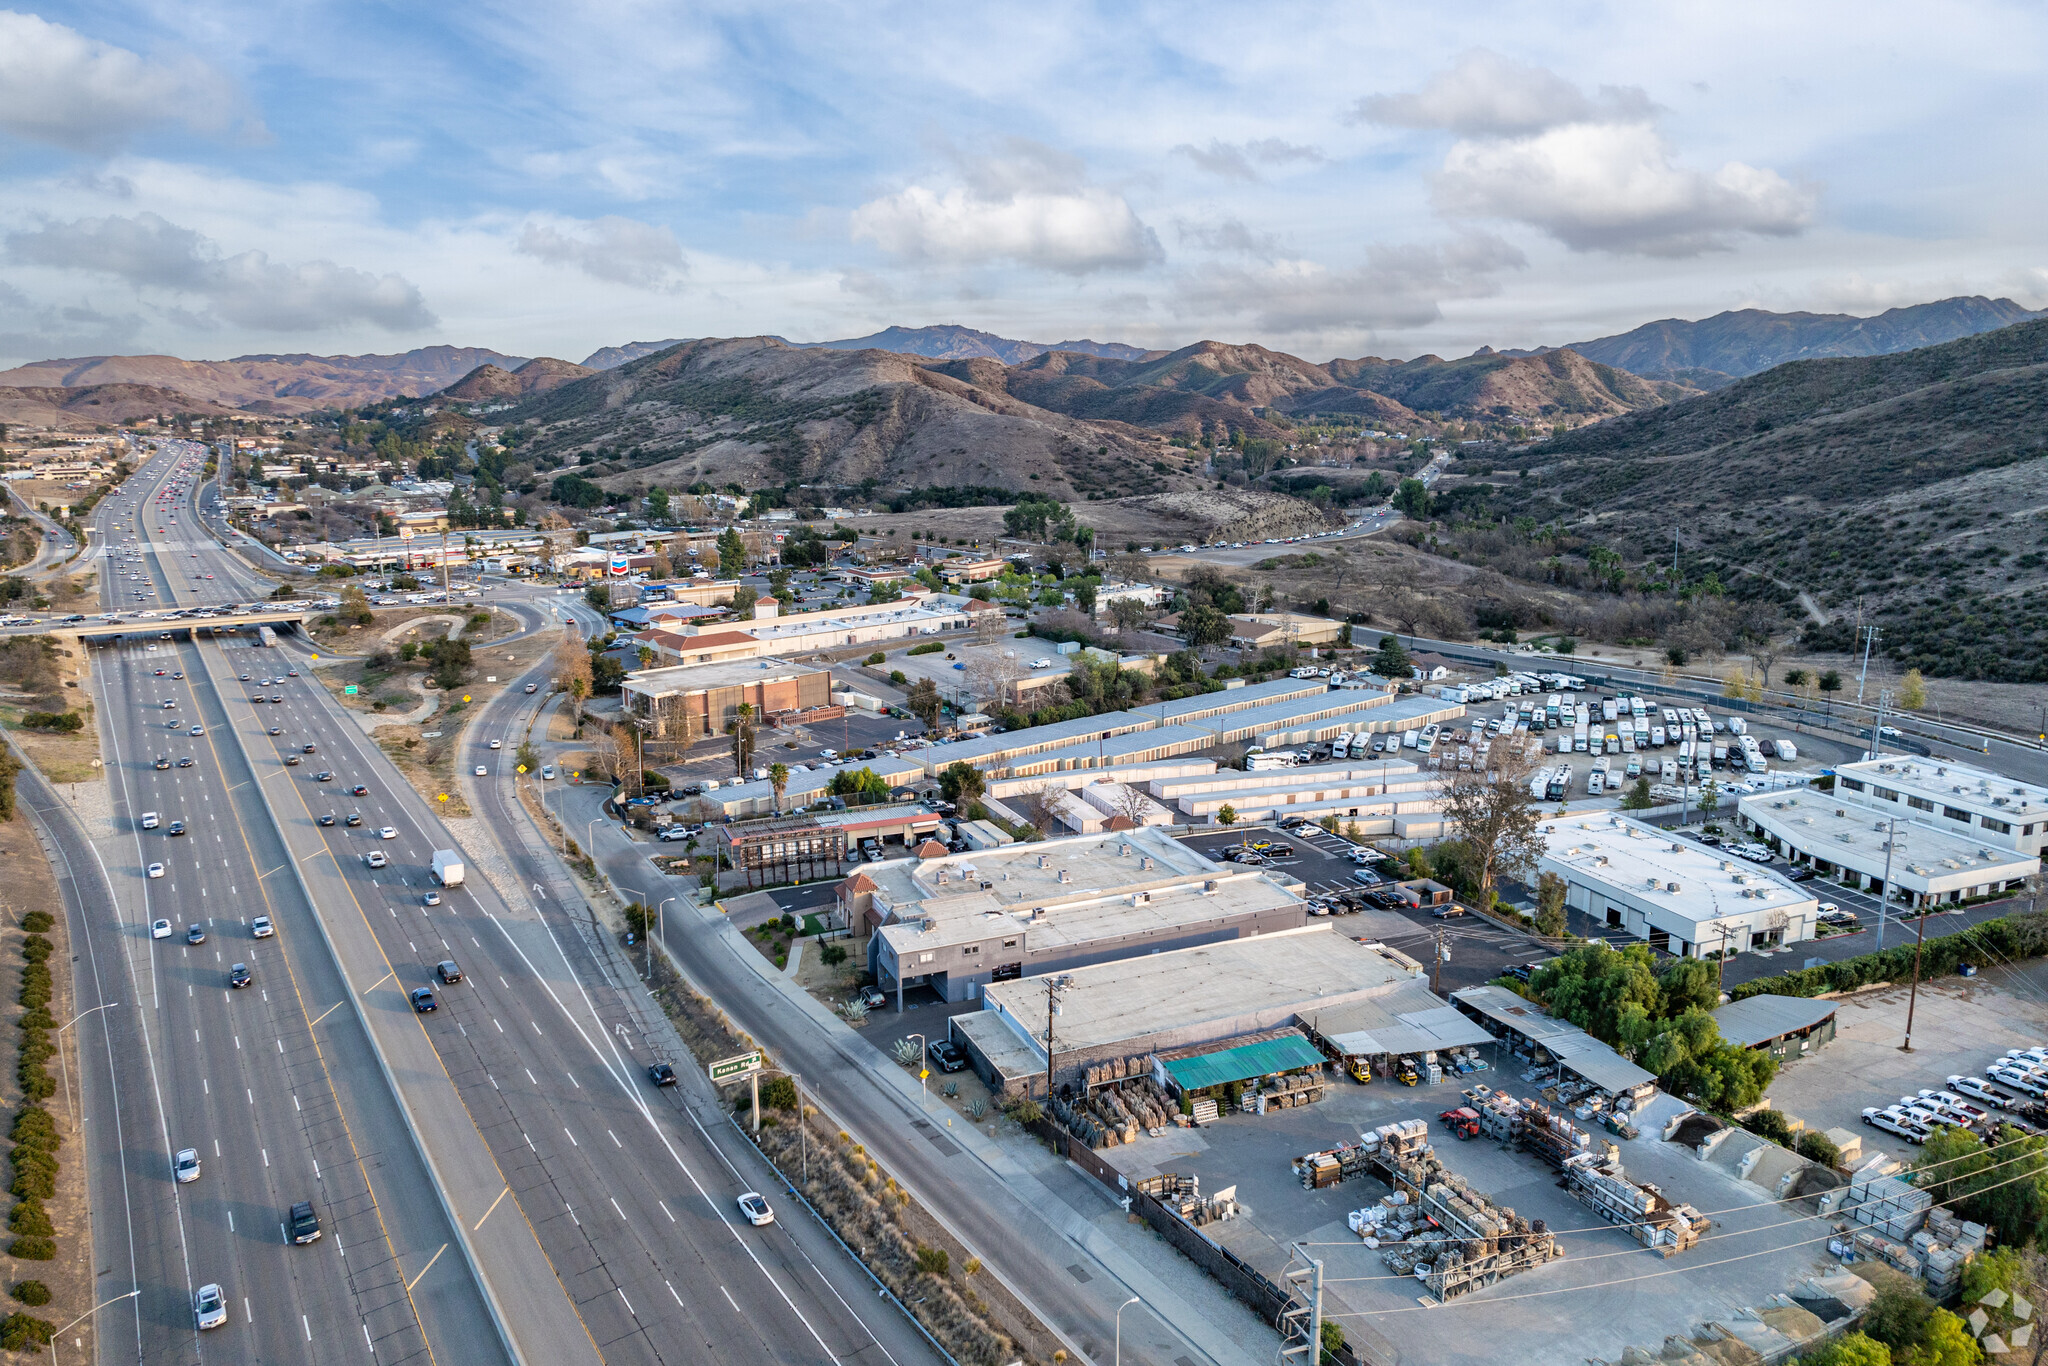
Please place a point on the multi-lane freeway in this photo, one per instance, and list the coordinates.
(496, 1178)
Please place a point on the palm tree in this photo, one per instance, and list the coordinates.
(778, 778)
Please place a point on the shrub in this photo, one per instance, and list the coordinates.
(934, 1261)
(930, 647)
(38, 922)
(37, 949)
(31, 1219)
(898, 677)
(62, 721)
(1770, 1124)
(833, 955)
(19, 1332)
(31, 1249)
(34, 1128)
(877, 657)
(1818, 1147)
(32, 1292)
(778, 1093)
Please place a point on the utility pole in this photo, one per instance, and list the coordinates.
(1055, 987)
(1301, 1324)
(1884, 700)
(1891, 847)
(1721, 962)
(1913, 999)
(1870, 635)
(1436, 977)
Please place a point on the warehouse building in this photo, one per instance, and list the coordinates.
(1683, 898)
(1203, 1015)
(1942, 832)
(1786, 1027)
(756, 797)
(957, 922)
(1530, 1033)
(690, 701)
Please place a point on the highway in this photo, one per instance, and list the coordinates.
(272, 1084)
(601, 1213)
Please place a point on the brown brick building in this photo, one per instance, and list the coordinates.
(690, 701)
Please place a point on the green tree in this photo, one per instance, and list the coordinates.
(1637, 798)
(1550, 901)
(1912, 691)
(1084, 595)
(2003, 1183)
(962, 783)
(1689, 984)
(1226, 814)
(861, 785)
(1710, 798)
(732, 554)
(778, 781)
(1203, 626)
(742, 602)
(448, 663)
(1392, 661)
(1412, 498)
(923, 702)
(1850, 1349)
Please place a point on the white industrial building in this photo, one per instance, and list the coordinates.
(1682, 897)
(1940, 831)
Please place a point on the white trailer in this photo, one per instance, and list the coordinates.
(448, 869)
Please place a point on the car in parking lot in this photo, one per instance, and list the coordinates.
(754, 1206)
(422, 1000)
(947, 1055)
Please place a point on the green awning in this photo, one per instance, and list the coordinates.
(1244, 1062)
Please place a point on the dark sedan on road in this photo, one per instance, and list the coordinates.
(423, 1000)
(323, 776)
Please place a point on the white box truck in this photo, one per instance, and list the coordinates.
(447, 867)
(1787, 751)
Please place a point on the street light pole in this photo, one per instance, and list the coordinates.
(63, 1067)
(82, 1318)
(1118, 1360)
(923, 1091)
(661, 917)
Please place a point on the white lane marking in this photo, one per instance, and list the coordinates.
(728, 1299)
(666, 1210)
(615, 1205)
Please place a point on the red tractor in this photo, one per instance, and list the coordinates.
(1463, 1121)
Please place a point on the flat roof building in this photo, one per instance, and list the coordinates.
(1682, 897)
(1929, 861)
(1990, 807)
(957, 922)
(690, 701)
(1149, 1004)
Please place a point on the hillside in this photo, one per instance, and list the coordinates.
(272, 383)
(612, 357)
(1916, 482)
(1746, 342)
(757, 410)
(491, 383)
(947, 341)
(95, 405)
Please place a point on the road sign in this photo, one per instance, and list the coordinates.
(349, 690)
(732, 1069)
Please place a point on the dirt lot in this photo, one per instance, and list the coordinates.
(63, 758)
(1149, 519)
(1959, 1025)
(31, 886)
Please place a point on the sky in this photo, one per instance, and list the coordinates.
(211, 179)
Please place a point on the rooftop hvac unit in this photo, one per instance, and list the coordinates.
(1063, 875)
(1600, 860)
(1145, 864)
(927, 925)
(1984, 853)
(1038, 912)
(942, 877)
(1210, 885)
(1671, 887)
(1841, 811)
(1676, 848)
(1123, 851)
(1044, 861)
(1650, 883)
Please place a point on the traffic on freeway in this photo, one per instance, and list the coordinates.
(502, 1158)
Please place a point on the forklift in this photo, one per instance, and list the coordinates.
(1405, 1072)
(1360, 1070)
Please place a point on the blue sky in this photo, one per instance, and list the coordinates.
(1344, 179)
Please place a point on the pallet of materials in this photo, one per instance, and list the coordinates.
(1474, 1242)
(1596, 1181)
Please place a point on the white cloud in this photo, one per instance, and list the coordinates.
(1031, 205)
(246, 290)
(1614, 187)
(60, 87)
(1486, 95)
(622, 251)
(1398, 286)
(1230, 235)
(1592, 171)
(1234, 160)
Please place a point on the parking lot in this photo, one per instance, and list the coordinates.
(1608, 1294)
(1959, 1025)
